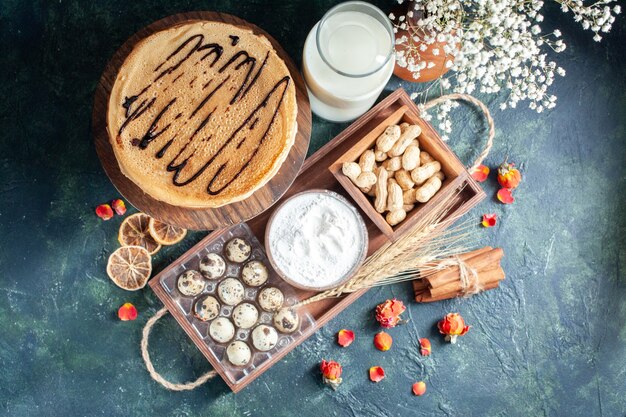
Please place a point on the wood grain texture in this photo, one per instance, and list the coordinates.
(457, 176)
(316, 174)
(199, 218)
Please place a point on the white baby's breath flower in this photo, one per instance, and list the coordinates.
(491, 46)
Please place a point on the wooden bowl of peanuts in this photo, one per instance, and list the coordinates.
(398, 171)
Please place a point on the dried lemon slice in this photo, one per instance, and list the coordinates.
(164, 233)
(134, 231)
(130, 267)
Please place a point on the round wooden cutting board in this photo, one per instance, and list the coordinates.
(199, 218)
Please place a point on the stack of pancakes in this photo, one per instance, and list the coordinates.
(202, 114)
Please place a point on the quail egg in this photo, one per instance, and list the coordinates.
(238, 353)
(222, 330)
(245, 315)
(230, 291)
(212, 266)
(264, 337)
(237, 250)
(286, 320)
(254, 273)
(271, 299)
(206, 308)
(190, 283)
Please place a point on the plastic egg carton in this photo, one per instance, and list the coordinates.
(235, 374)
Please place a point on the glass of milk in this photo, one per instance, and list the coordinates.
(347, 60)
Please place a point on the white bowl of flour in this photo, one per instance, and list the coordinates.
(316, 240)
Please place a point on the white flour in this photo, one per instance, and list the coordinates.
(316, 239)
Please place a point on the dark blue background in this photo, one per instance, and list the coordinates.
(550, 341)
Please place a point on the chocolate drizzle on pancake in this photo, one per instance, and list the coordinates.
(162, 151)
(154, 110)
(151, 134)
(252, 123)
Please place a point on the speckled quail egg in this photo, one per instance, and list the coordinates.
(190, 283)
(264, 337)
(230, 291)
(271, 299)
(286, 320)
(206, 308)
(212, 266)
(222, 330)
(237, 250)
(238, 353)
(245, 315)
(254, 273)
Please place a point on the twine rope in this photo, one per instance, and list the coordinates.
(473, 100)
(187, 386)
(468, 275)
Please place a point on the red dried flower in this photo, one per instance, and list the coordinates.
(489, 220)
(388, 313)
(509, 176)
(104, 211)
(419, 388)
(480, 173)
(127, 312)
(452, 326)
(345, 337)
(425, 347)
(505, 196)
(383, 341)
(331, 373)
(119, 206)
(377, 374)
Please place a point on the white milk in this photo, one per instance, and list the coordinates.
(352, 43)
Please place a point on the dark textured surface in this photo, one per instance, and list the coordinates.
(550, 341)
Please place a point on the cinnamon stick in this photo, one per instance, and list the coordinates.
(485, 278)
(480, 261)
(419, 285)
(428, 298)
(464, 257)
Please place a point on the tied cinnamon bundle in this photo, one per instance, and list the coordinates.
(460, 276)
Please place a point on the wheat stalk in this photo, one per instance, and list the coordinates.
(421, 248)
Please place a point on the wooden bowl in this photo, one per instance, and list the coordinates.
(189, 217)
(430, 142)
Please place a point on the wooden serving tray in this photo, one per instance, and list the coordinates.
(187, 217)
(429, 141)
(315, 173)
